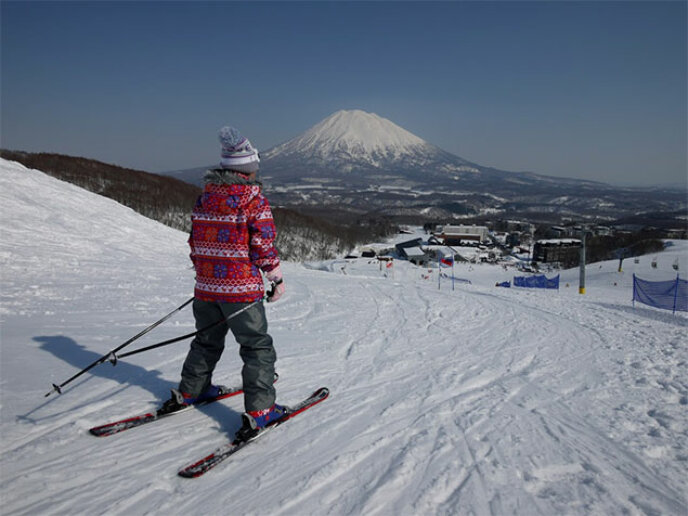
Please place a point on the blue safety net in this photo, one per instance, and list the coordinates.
(668, 295)
(540, 281)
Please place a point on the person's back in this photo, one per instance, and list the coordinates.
(232, 238)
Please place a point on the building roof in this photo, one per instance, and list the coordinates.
(414, 252)
(559, 241)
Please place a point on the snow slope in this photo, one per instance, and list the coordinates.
(478, 400)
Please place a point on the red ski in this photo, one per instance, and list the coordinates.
(223, 452)
(142, 419)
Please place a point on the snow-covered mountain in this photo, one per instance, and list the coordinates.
(478, 400)
(353, 133)
(368, 164)
(355, 142)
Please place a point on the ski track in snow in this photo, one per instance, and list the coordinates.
(473, 401)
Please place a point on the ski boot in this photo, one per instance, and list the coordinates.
(254, 421)
(180, 400)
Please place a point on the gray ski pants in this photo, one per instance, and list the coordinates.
(255, 347)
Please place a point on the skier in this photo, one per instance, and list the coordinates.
(231, 242)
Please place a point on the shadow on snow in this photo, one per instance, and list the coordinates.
(125, 374)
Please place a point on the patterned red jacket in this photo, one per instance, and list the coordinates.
(232, 239)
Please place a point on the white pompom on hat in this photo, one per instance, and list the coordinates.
(237, 152)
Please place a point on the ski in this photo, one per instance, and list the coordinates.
(223, 452)
(142, 419)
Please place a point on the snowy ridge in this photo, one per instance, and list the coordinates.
(349, 139)
(474, 401)
(353, 132)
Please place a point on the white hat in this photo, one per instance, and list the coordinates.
(237, 152)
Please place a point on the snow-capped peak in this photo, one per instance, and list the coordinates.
(352, 132)
(367, 129)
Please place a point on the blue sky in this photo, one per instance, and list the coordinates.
(593, 90)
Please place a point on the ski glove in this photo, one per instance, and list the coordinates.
(275, 278)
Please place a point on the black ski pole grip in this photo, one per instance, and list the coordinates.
(273, 287)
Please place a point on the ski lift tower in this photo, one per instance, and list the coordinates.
(581, 281)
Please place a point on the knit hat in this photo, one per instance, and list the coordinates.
(237, 152)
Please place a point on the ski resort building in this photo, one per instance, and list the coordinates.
(560, 250)
(412, 251)
(454, 235)
(416, 255)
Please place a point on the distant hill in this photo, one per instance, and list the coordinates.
(162, 198)
(170, 201)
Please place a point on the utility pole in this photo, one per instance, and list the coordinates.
(622, 255)
(581, 281)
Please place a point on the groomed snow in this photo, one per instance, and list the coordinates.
(480, 400)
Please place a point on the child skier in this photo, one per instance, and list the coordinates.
(231, 242)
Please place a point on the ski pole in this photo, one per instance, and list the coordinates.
(58, 388)
(113, 358)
